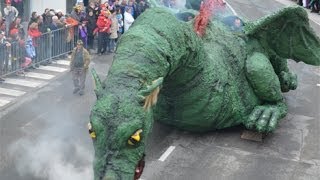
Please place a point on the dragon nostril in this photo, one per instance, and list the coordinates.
(110, 175)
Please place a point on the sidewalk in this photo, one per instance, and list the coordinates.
(315, 17)
(16, 86)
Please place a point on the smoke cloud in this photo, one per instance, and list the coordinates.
(54, 148)
(44, 160)
(180, 4)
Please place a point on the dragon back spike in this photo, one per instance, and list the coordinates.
(97, 83)
(206, 10)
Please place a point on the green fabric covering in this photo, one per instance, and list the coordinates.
(259, 67)
(220, 80)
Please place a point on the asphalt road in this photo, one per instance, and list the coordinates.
(45, 136)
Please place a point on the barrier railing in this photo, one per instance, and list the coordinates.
(34, 51)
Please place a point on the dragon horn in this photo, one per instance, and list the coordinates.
(97, 83)
(149, 89)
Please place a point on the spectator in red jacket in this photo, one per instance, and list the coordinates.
(34, 33)
(103, 25)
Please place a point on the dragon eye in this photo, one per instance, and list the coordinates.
(91, 132)
(135, 138)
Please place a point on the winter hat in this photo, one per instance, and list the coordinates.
(80, 42)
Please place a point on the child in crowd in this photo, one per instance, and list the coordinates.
(30, 49)
(120, 21)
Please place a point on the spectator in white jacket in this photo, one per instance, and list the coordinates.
(128, 19)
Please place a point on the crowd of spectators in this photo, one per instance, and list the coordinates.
(56, 31)
(109, 20)
(313, 5)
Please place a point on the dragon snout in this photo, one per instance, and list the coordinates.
(135, 175)
(118, 175)
(110, 175)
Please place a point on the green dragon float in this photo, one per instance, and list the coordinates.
(166, 71)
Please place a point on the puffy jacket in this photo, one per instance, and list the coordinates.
(103, 24)
(30, 50)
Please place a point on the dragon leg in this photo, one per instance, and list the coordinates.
(266, 85)
(288, 80)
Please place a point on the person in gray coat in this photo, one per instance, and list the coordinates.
(10, 13)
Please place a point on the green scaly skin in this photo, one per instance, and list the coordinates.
(217, 81)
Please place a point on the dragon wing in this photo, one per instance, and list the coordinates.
(288, 34)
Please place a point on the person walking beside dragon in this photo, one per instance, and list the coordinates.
(79, 64)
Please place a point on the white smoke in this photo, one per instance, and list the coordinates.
(46, 160)
(54, 148)
(180, 4)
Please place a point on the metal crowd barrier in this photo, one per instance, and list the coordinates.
(49, 46)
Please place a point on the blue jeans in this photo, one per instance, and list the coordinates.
(112, 43)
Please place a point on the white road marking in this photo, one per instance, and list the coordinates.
(167, 153)
(63, 62)
(21, 82)
(318, 85)
(39, 75)
(32, 120)
(314, 20)
(11, 92)
(233, 11)
(52, 68)
(3, 102)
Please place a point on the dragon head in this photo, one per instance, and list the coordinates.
(119, 126)
(119, 131)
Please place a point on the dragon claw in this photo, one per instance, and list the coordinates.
(288, 81)
(263, 118)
